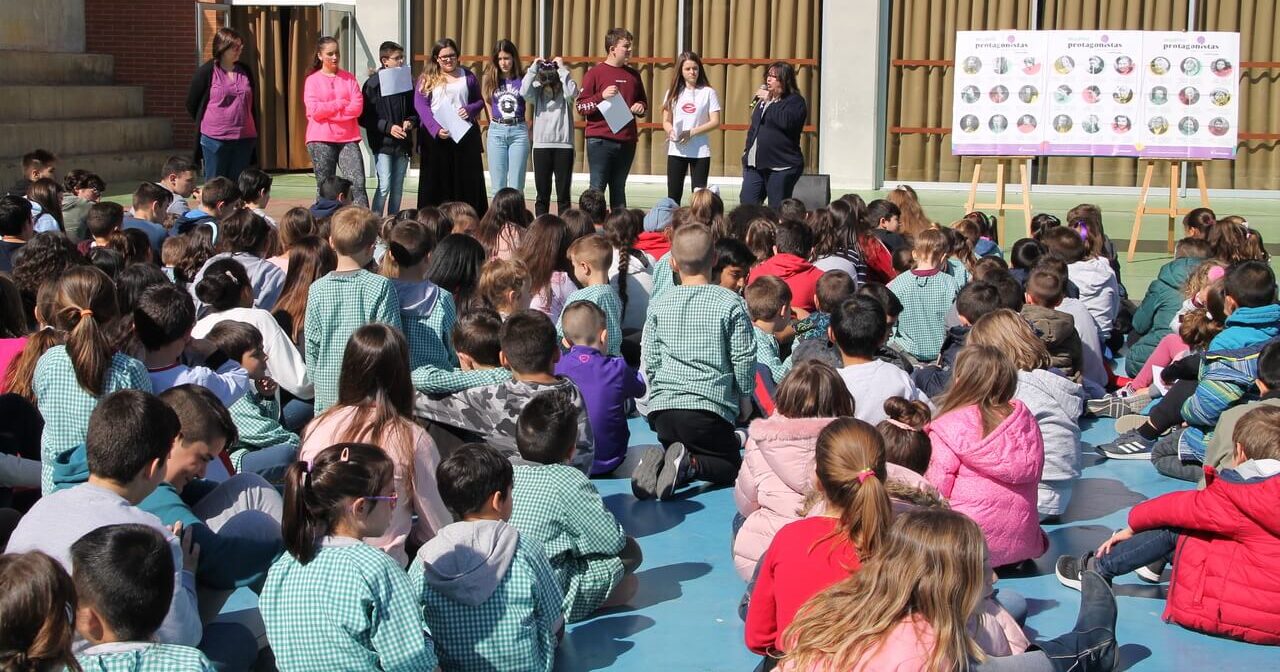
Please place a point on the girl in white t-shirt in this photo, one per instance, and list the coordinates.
(690, 111)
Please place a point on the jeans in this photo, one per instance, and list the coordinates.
(1167, 460)
(508, 148)
(549, 162)
(1143, 549)
(391, 169)
(269, 463)
(678, 166)
(297, 413)
(225, 158)
(610, 163)
(776, 184)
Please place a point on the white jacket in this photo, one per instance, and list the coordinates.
(1099, 290)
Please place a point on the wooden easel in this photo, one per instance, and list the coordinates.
(1000, 205)
(1173, 211)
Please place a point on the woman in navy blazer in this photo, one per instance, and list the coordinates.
(771, 160)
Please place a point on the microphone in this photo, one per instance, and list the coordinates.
(755, 100)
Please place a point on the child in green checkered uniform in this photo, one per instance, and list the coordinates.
(70, 379)
(556, 505)
(262, 446)
(345, 300)
(590, 256)
(926, 293)
(333, 602)
(426, 310)
(489, 596)
(699, 355)
(123, 576)
(769, 303)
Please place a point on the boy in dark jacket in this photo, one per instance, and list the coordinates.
(1055, 328)
(975, 300)
(387, 121)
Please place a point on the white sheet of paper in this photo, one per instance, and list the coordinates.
(616, 114)
(447, 116)
(395, 80)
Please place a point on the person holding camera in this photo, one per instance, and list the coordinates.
(550, 90)
(508, 144)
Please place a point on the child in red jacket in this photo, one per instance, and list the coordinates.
(793, 242)
(1224, 541)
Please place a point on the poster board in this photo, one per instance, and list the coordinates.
(1168, 95)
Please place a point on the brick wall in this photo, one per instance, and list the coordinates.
(153, 42)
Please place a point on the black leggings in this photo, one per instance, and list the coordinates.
(707, 436)
(549, 162)
(1167, 414)
(678, 167)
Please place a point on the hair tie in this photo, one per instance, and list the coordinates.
(346, 455)
(1216, 273)
(1084, 229)
(48, 327)
(865, 474)
(901, 425)
(85, 312)
(231, 276)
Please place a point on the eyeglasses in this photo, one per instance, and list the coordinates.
(447, 57)
(393, 498)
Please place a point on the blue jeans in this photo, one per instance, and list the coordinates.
(225, 158)
(610, 164)
(776, 184)
(269, 463)
(1143, 549)
(391, 169)
(297, 413)
(508, 150)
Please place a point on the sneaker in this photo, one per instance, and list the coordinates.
(741, 434)
(675, 471)
(1115, 406)
(1128, 446)
(1069, 568)
(644, 480)
(1152, 573)
(1130, 422)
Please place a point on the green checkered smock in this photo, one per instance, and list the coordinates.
(257, 421)
(431, 337)
(143, 657)
(606, 297)
(664, 278)
(767, 354)
(337, 305)
(559, 507)
(926, 299)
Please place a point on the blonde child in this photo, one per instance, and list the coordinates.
(70, 379)
(590, 256)
(769, 304)
(988, 454)
(1055, 401)
(344, 300)
(926, 293)
(809, 555)
(912, 607)
(375, 405)
(372, 619)
(504, 286)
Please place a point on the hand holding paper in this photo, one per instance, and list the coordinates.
(449, 119)
(615, 113)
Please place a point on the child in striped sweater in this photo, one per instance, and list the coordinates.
(926, 293)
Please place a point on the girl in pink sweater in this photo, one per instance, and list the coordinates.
(913, 605)
(333, 102)
(375, 405)
(988, 454)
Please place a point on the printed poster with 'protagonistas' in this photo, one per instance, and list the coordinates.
(1093, 80)
(1192, 95)
(999, 102)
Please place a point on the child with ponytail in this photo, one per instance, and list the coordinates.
(811, 554)
(988, 454)
(375, 405)
(913, 607)
(70, 378)
(372, 619)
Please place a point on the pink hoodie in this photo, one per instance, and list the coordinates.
(776, 476)
(993, 478)
(333, 107)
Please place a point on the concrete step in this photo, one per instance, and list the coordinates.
(71, 101)
(35, 67)
(120, 170)
(85, 136)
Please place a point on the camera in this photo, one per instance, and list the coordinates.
(546, 64)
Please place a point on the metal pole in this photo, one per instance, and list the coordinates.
(1191, 25)
(681, 25)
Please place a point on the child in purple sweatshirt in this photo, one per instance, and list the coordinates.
(607, 383)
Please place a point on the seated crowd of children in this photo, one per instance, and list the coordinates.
(387, 428)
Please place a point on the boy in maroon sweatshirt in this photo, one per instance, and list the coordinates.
(609, 154)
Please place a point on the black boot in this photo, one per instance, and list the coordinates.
(1091, 647)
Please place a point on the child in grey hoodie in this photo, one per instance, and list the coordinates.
(490, 598)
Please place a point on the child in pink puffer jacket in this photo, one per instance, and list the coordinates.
(988, 455)
(777, 468)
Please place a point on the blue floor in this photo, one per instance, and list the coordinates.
(685, 616)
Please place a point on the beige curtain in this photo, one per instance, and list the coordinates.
(1104, 15)
(919, 96)
(577, 33)
(1257, 164)
(279, 47)
(755, 29)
